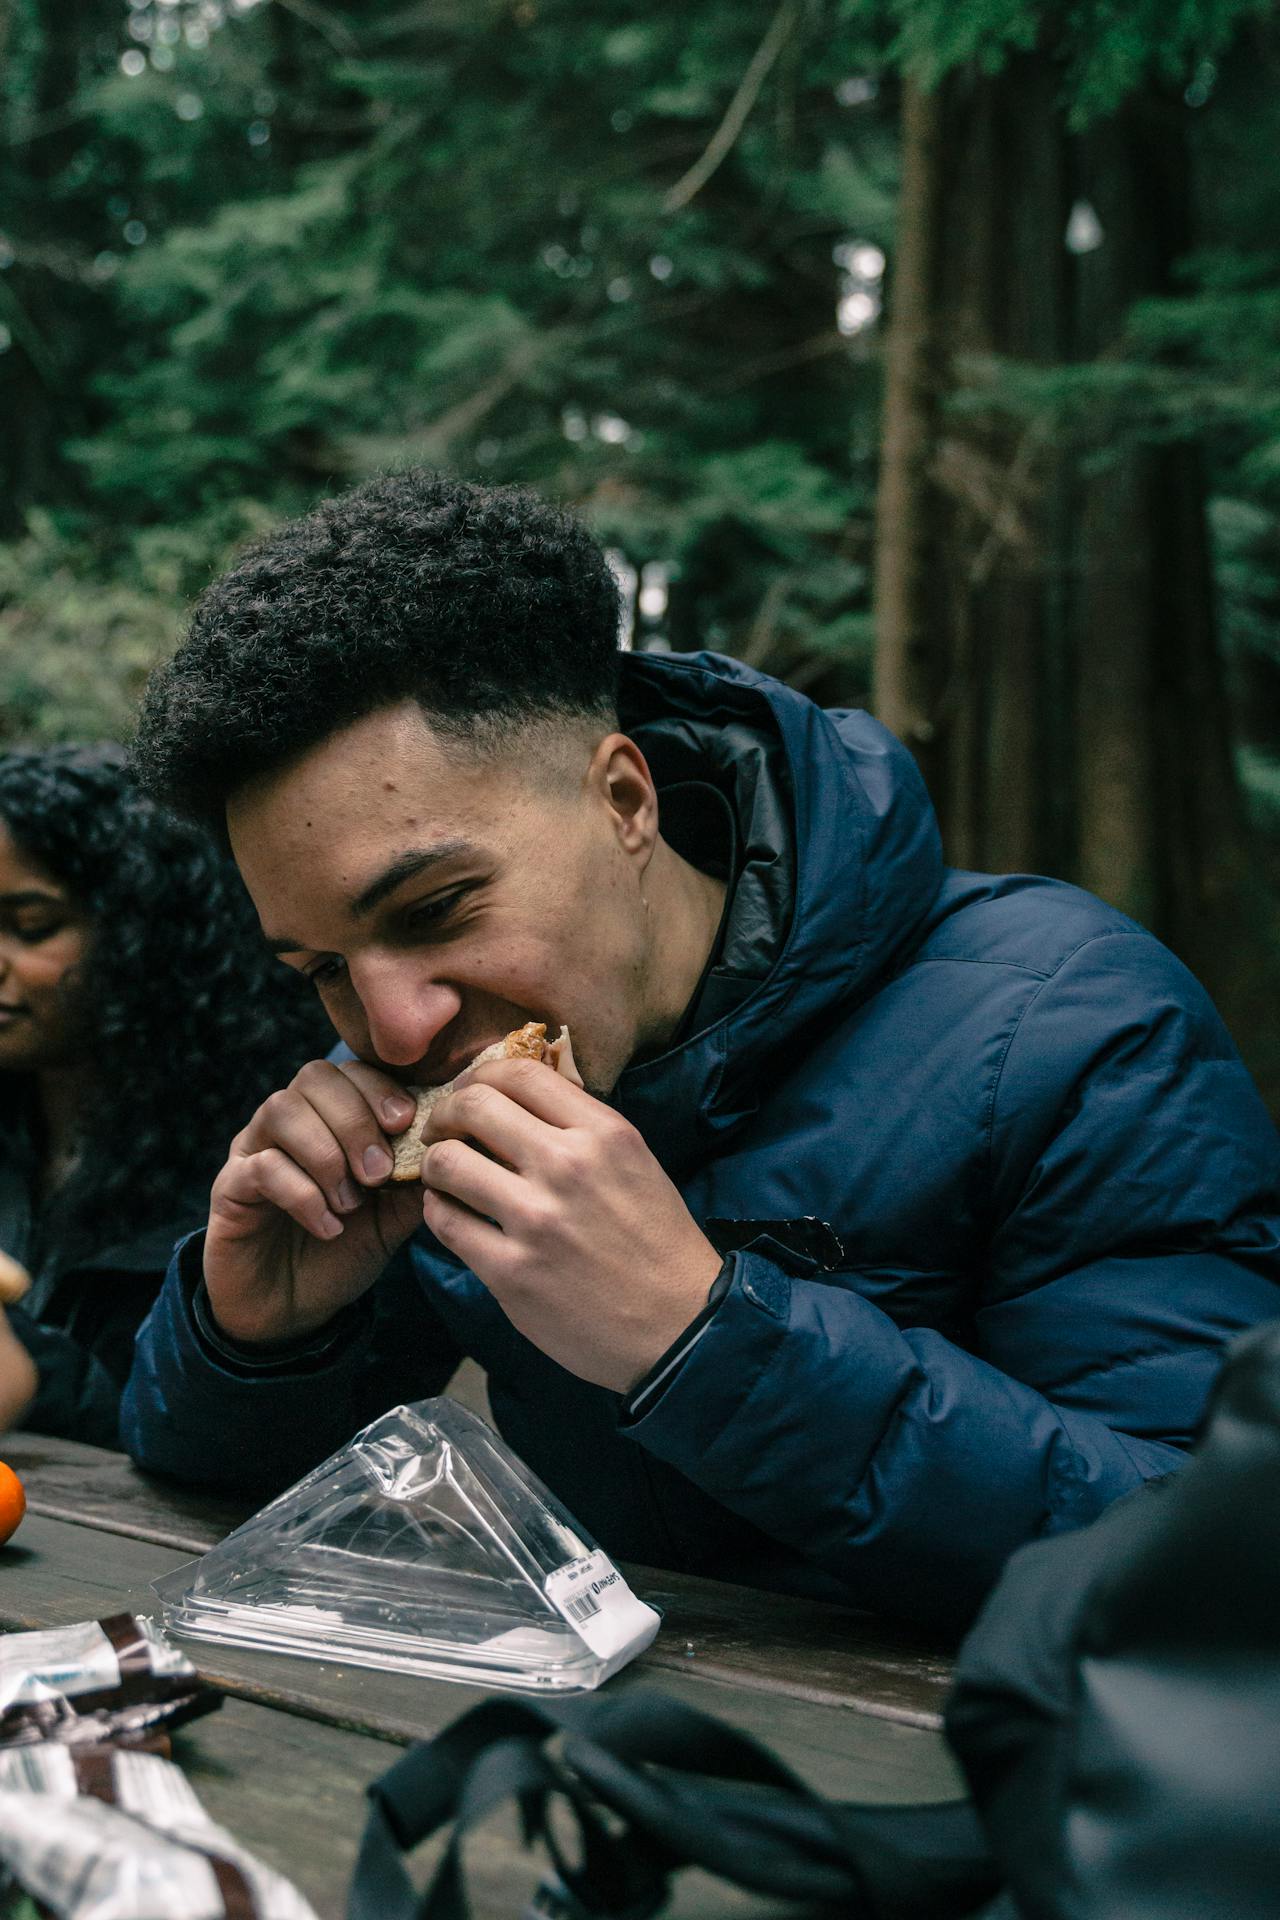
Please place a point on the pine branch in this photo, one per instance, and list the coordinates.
(722, 141)
(326, 24)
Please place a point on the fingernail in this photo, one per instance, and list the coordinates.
(348, 1195)
(330, 1225)
(395, 1107)
(377, 1162)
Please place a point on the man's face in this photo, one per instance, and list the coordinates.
(438, 898)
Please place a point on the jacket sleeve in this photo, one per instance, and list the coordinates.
(78, 1397)
(1131, 1177)
(199, 1416)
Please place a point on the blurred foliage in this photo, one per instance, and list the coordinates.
(471, 237)
(252, 252)
(83, 619)
(75, 649)
(1108, 51)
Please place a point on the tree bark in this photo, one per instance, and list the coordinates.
(1044, 623)
(1162, 830)
(912, 654)
(965, 588)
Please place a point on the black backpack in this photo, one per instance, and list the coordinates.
(1116, 1711)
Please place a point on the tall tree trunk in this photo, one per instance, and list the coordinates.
(1045, 636)
(912, 656)
(969, 626)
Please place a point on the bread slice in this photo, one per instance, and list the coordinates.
(528, 1042)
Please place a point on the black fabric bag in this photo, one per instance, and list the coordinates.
(1117, 1707)
(1116, 1711)
(652, 1786)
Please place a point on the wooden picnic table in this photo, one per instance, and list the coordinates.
(852, 1703)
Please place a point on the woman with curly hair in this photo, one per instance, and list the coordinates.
(141, 1023)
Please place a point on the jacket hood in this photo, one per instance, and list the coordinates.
(839, 861)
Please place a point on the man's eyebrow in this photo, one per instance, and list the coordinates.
(405, 866)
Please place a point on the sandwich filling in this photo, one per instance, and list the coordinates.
(525, 1043)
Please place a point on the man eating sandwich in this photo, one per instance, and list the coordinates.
(901, 1213)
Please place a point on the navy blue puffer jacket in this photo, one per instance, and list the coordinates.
(1049, 1193)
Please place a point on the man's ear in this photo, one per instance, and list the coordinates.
(619, 774)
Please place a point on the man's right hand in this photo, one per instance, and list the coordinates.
(301, 1219)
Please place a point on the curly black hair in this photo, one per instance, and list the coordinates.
(191, 1022)
(486, 605)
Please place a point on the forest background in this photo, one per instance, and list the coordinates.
(924, 352)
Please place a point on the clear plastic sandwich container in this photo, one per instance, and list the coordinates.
(425, 1546)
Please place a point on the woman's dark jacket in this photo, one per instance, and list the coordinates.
(92, 1298)
(1046, 1192)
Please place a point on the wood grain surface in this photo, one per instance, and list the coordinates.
(55, 1571)
(848, 1703)
(722, 1635)
(290, 1788)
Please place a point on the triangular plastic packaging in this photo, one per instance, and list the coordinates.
(425, 1546)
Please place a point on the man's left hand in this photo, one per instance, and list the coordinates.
(558, 1206)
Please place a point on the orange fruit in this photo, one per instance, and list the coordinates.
(13, 1502)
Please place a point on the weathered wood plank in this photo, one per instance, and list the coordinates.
(55, 1571)
(292, 1792)
(736, 1635)
(66, 1480)
(800, 1649)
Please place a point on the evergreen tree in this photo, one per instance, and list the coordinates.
(591, 249)
(633, 255)
(1046, 637)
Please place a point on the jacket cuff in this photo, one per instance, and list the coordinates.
(751, 1303)
(783, 1366)
(306, 1354)
(647, 1391)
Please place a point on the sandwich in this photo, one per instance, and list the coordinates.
(526, 1043)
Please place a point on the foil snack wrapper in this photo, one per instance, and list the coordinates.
(101, 1834)
(114, 1680)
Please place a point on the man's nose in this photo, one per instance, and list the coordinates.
(404, 1013)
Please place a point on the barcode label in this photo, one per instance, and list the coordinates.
(594, 1598)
